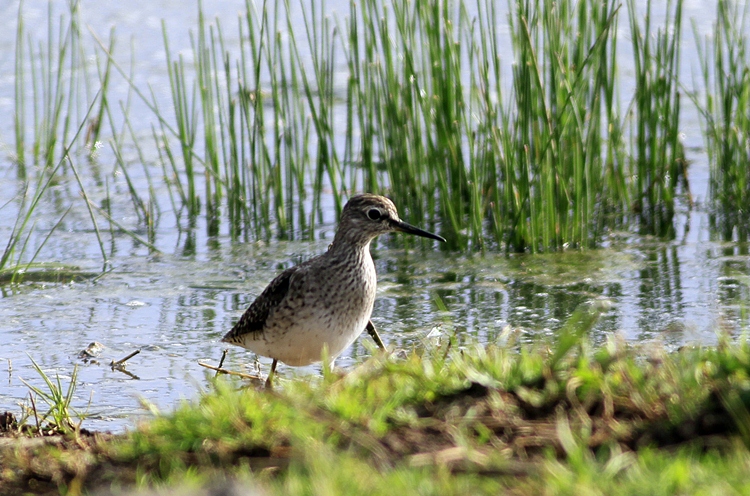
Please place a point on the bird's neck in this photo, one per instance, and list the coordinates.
(350, 246)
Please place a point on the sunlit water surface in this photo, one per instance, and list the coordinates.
(174, 309)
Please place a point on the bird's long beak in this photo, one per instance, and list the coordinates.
(401, 226)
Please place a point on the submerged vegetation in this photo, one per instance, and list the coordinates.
(402, 98)
(557, 417)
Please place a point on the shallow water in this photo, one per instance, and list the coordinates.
(174, 309)
(175, 306)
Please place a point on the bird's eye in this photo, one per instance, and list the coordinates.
(374, 214)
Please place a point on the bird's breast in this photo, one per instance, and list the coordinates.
(329, 310)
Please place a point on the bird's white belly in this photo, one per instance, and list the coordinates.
(298, 332)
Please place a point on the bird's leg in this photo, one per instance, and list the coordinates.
(370, 328)
(269, 383)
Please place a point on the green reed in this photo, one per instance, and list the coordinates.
(725, 71)
(319, 91)
(14, 261)
(55, 97)
(51, 87)
(19, 120)
(422, 113)
(184, 103)
(658, 155)
(209, 89)
(222, 127)
(401, 98)
(558, 162)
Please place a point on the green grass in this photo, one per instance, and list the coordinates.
(555, 417)
(58, 419)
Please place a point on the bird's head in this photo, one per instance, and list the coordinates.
(367, 216)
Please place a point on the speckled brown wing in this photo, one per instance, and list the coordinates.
(254, 319)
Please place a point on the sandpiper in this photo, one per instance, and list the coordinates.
(325, 302)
